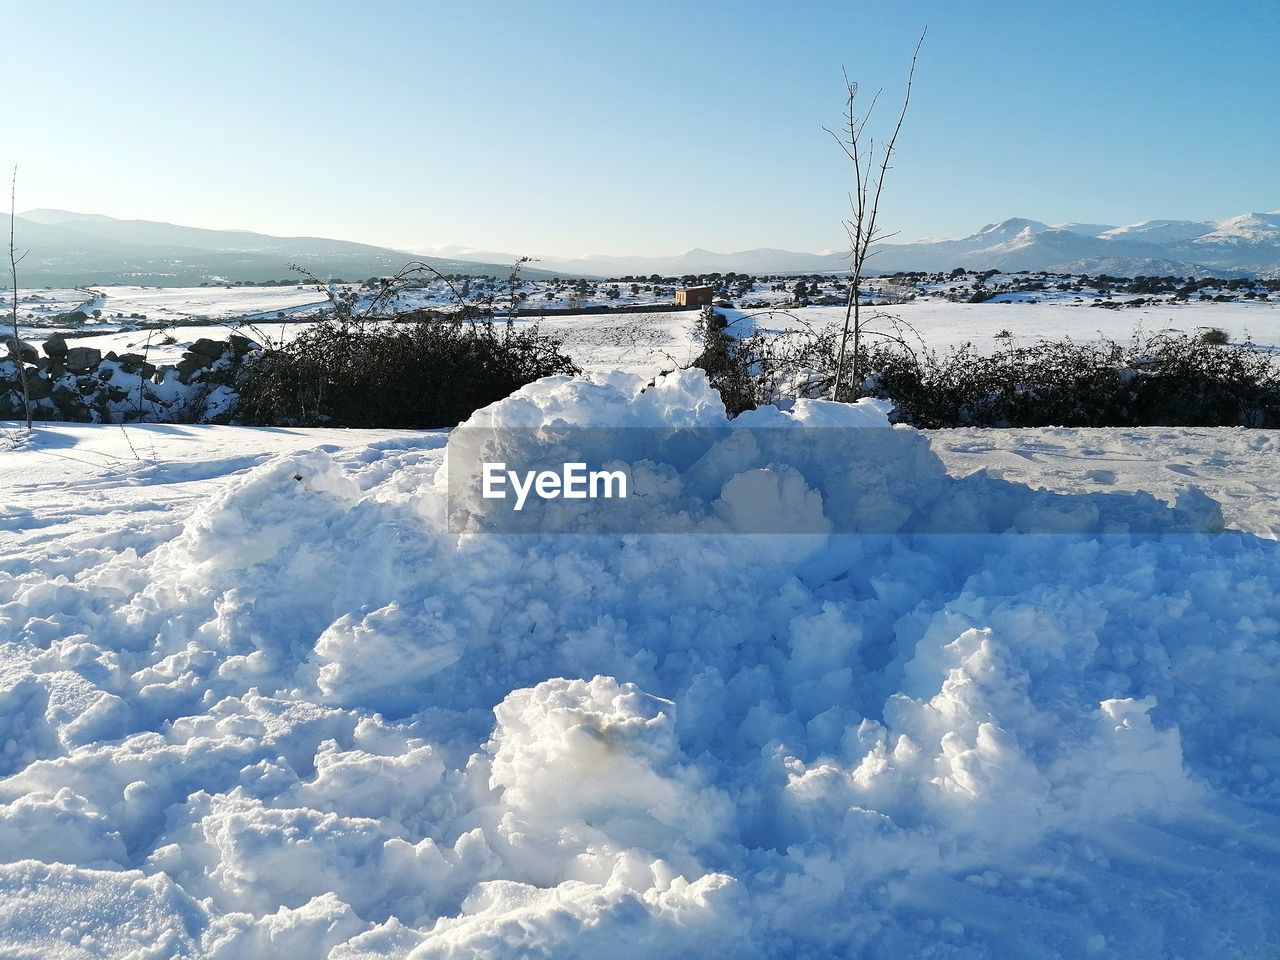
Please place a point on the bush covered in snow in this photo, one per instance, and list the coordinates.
(421, 370)
(1153, 380)
(1157, 380)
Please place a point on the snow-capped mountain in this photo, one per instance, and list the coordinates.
(1159, 231)
(74, 248)
(1248, 227)
(1247, 244)
(1237, 246)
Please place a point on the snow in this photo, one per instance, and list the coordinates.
(643, 343)
(258, 699)
(1236, 467)
(635, 342)
(649, 343)
(171, 304)
(941, 324)
(1160, 231)
(1250, 227)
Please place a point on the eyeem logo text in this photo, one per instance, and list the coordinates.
(573, 482)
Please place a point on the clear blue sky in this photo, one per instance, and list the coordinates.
(634, 128)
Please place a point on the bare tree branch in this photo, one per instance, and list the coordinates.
(862, 228)
(16, 347)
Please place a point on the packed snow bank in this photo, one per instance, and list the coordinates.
(314, 721)
(816, 467)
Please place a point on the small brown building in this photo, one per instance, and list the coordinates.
(694, 297)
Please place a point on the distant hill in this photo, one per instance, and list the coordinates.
(697, 261)
(77, 249)
(1246, 245)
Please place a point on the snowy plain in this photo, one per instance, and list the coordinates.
(259, 701)
(645, 343)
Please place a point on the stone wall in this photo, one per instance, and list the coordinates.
(80, 383)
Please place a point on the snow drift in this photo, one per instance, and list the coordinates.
(322, 720)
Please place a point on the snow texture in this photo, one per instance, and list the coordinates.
(295, 715)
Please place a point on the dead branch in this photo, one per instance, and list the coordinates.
(862, 228)
(14, 260)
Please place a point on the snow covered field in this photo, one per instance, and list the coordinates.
(942, 324)
(257, 701)
(168, 304)
(635, 342)
(1238, 468)
(649, 343)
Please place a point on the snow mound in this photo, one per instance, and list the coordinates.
(318, 720)
(816, 468)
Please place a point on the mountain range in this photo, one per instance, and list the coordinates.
(79, 249)
(1246, 245)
